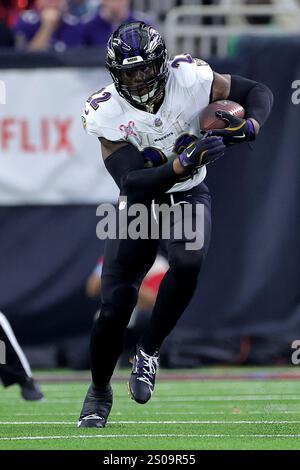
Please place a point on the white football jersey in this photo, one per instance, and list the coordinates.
(161, 136)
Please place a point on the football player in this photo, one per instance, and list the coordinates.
(15, 369)
(147, 122)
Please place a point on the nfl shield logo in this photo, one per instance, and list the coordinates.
(157, 122)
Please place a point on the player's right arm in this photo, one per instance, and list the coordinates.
(255, 97)
(125, 163)
(203, 82)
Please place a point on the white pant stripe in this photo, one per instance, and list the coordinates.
(13, 341)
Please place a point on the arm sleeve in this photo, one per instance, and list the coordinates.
(256, 98)
(126, 166)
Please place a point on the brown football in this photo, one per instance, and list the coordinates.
(209, 120)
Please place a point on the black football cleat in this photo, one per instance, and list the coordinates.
(142, 380)
(96, 407)
(30, 390)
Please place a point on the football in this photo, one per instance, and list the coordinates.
(208, 118)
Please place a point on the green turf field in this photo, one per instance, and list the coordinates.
(222, 413)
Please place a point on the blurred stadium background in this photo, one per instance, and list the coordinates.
(246, 309)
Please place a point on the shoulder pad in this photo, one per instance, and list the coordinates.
(188, 71)
(102, 114)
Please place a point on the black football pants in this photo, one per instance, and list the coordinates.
(127, 261)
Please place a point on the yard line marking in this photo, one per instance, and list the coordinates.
(47, 401)
(21, 423)
(208, 422)
(194, 413)
(160, 422)
(159, 400)
(172, 402)
(282, 396)
(122, 436)
(229, 412)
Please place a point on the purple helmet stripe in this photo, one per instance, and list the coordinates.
(134, 42)
(126, 53)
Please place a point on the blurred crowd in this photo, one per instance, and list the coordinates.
(37, 25)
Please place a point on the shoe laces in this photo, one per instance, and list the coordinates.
(92, 416)
(146, 367)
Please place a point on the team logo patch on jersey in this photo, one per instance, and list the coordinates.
(158, 122)
(128, 130)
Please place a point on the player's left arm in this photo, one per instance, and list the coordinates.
(256, 98)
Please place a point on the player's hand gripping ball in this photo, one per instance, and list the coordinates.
(225, 118)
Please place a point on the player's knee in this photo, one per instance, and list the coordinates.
(118, 306)
(186, 263)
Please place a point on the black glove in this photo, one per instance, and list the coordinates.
(238, 130)
(201, 152)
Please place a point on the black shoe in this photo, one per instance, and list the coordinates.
(142, 380)
(96, 407)
(30, 390)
